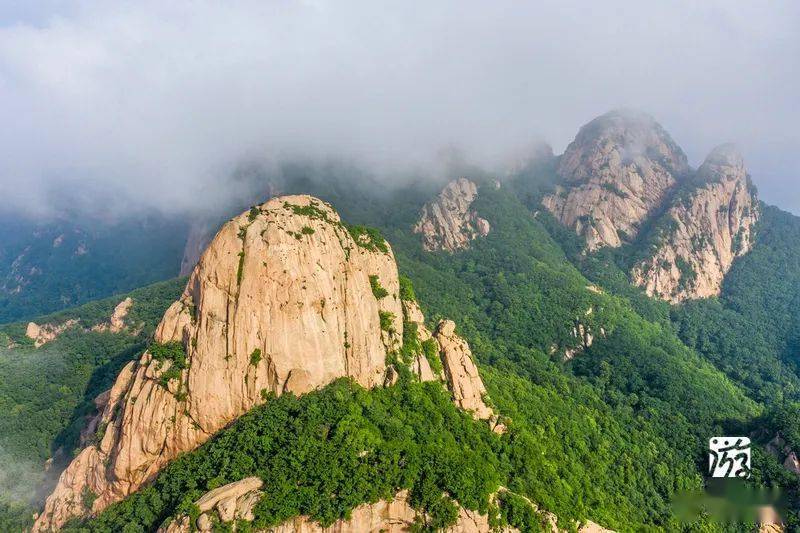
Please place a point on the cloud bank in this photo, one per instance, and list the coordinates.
(154, 102)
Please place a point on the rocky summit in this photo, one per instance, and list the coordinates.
(616, 174)
(286, 298)
(624, 181)
(705, 229)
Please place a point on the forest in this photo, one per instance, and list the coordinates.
(617, 432)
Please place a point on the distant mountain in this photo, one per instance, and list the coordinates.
(48, 265)
(625, 182)
(617, 173)
(464, 355)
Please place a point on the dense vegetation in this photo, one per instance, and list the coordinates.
(749, 333)
(45, 393)
(612, 435)
(515, 297)
(638, 397)
(328, 452)
(53, 265)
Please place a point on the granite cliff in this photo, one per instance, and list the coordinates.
(704, 231)
(284, 299)
(624, 181)
(615, 175)
(450, 222)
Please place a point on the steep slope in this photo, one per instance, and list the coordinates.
(705, 229)
(616, 174)
(53, 264)
(285, 299)
(516, 295)
(48, 393)
(449, 222)
(322, 456)
(751, 331)
(279, 302)
(579, 432)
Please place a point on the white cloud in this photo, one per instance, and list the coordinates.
(159, 99)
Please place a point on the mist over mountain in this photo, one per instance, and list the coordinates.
(313, 266)
(131, 104)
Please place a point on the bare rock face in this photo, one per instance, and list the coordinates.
(236, 501)
(231, 502)
(769, 521)
(45, 333)
(779, 448)
(584, 334)
(41, 335)
(116, 321)
(705, 231)
(420, 366)
(449, 222)
(617, 172)
(280, 302)
(462, 375)
(384, 516)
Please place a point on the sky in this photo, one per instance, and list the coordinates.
(155, 103)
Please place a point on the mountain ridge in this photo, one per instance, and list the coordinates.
(649, 389)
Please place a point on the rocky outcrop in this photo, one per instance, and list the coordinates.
(791, 463)
(116, 321)
(462, 375)
(705, 230)
(585, 337)
(616, 174)
(85, 475)
(449, 222)
(227, 504)
(420, 366)
(280, 302)
(384, 516)
(584, 332)
(236, 501)
(458, 369)
(45, 333)
(41, 335)
(781, 450)
(283, 300)
(769, 521)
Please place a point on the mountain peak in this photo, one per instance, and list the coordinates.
(625, 133)
(706, 229)
(616, 173)
(725, 162)
(727, 153)
(285, 299)
(449, 222)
